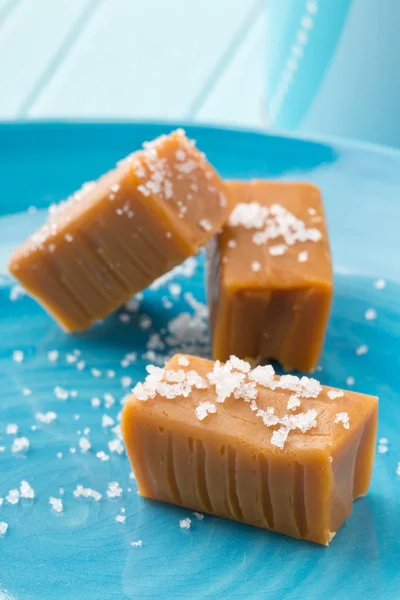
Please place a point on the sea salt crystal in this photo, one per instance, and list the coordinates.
(303, 256)
(20, 445)
(18, 356)
(277, 250)
(3, 528)
(84, 444)
(26, 391)
(80, 365)
(71, 358)
(175, 289)
(263, 375)
(379, 284)
(53, 355)
(68, 237)
(13, 496)
(12, 429)
(26, 491)
(137, 544)
(110, 373)
(343, 417)
(256, 266)
(240, 365)
(185, 523)
(59, 454)
(120, 518)
(95, 372)
(232, 243)
(398, 469)
(107, 421)
(383, 448)
(116, 446)
(124, 318)
(83, 492)
(56, 504)
(279, 437)
(109, 400)
(370, 314)
(183, 361)
(101, 455)
(333, 394)
(95, 402)
(61, 393)
(204, 409)
(350, 380)
(114, 490)
(361, 350)
(145, 322)
(383, 440)
(293, 402)
(198, 516)
(47, 417)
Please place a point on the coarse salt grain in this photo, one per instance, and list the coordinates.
(114, 490)
(13, 496)
(175, 289)
(361, 350)
(185, 523)
(370, 314)
(198, 516)
(20, 445)
(26, 391)
(120, 518)
(183, 361)
(333, 394)
(95, 372)
(383, 448)
(350, 380)
(204, 409)
(398, 469)
(379, 284)
(206, 225)
(18, 356)
(95, 402)
(109, 400)
(302, 256)
(256, 266)
(56, 504)
(293, 402)
(83, 492)
(47, 417)
(101, 455)
(110, 373)
(26, 491)
(383, 440)
(107, 421)
(116, 446)
(53, 355)
(277, 250)
(137, 544)
(232, 243)
(343, 417)
(84, 444)
(12, 429)
(61, 393)
(3, 528)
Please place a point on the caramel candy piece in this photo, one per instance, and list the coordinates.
(115, 236)
(282, 453)
(270, 276)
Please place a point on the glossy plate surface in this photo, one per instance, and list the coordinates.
(84, 551)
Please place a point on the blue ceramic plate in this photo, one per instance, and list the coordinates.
(84, 551)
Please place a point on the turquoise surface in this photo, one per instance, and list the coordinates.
(84, 551)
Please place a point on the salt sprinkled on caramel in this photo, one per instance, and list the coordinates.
(343, 417)
(333, 394)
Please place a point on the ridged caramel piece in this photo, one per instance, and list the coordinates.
(281, 310)
(228, 464)
(115, 236)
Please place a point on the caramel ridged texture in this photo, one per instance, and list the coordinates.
(116, 235)
(269, 279)
(281, 453)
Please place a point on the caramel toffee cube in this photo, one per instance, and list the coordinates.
(270, 276)
(115, 236)
(281, 453)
